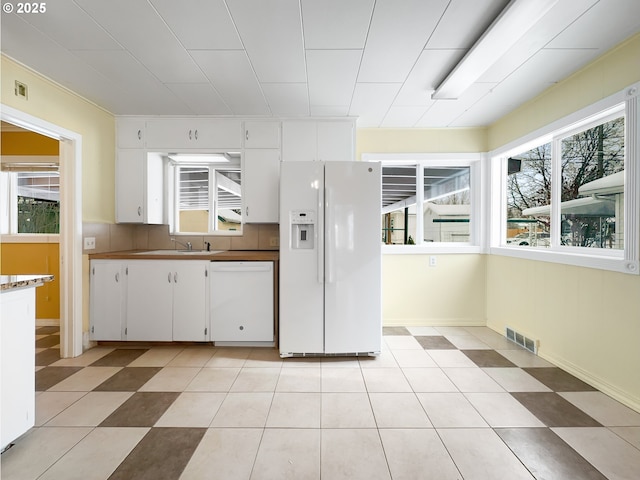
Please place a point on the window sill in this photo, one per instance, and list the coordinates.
(30, 238)
(433, 248)
(612, 261)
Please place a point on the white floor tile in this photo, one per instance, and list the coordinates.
(353, 454)
(212, 379)
(342, 380)
(90, 410)
(449, 410)
(524, 359)
(170, 379)
(300, 379)
(346, 410)
(38, 450)
(402, 342)
(256, 380)
(229, 357)
(192, 409)
(480, 454)
(423, 331)
(502, 410)
(429, 380)
(398, 410)
(192, 357)
(450, 359)
(288, 454)
(227, 453)
(304, 362)
(452, 331)
(603, 408)
(156, 357)
(384, 360)
(515, 380)
(417, 454)
(294, 410)
(243, 410)
(87, 358)
(264, 357)
(385, 380)
(606, 451)
(97, 455)
(630, 434)
(50, 404)
(413, 359)
(85, 380)
(340, 362)
(467, 342)
(472, 380)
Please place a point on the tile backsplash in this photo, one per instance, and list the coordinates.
(122, 236)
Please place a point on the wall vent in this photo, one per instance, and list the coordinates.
(523, 341)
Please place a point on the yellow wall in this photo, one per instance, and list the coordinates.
(587, 320)
(36, 258)
(28, 143)
(61, 107)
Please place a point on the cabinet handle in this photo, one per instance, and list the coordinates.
(189, 134)
(246, 135)
(169, 277)
(139, 211)
(117, 277)
(196, 134)
(175, 277)
(247, 211)
(139, 134)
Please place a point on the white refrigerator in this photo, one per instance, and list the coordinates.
(330, 265)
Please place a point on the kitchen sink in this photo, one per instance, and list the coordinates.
(180, 252)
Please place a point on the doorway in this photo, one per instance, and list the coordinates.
(70, 158)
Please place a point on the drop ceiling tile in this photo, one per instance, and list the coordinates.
(70, 26)
(287, 98)
(138, 27)
(371, 101)
(336, 24)
(332, 75)
(329, 110)
(427, 73)
(200, 24)
(232, 76)
(464, 22)
(403, 117)
(201, 98)
(271, 32)
(444, 112)
(582, 34)
(397, 36)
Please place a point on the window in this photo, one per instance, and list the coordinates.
(32, 200)
(207, 193)
(571, 195)
(429, 201)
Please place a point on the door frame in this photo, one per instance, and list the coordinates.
(70, 224)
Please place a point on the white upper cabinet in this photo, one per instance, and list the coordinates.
(192, 133)
(139, 187)
(261, 134)
(130, 132)
(304, 140)
(261, 186)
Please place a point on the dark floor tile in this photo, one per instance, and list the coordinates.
(435, 342)
(487, 358)
(48, 341)
(142, 409)
(120, 357)
(47, 357)
(395, 331)
(162, 454)
(49, 376)
(546, 455)
(129, 379)
(553, 410)
(558, 380)
(49, 330)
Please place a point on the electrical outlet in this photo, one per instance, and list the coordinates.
(274, 242)
(433, 261)
(89, 243)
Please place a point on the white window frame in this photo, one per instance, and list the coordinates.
(476, 221)
(625, 102)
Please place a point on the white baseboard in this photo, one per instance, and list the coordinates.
(434, 322)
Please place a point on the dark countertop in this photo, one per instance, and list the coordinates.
(10, 282)
(220, 256)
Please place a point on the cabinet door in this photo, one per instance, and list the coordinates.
(130, 132)
(260, 189)
(335, 141)
(129, 186)
(177, 133)
(149, 301)
(190, 287)
(106, 300)
(174, 133)
(299, 141)
(218, 134)
(261, 134)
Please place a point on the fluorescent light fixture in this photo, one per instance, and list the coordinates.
(512, 23)
(199, 158)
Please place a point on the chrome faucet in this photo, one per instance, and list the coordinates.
(187, 245)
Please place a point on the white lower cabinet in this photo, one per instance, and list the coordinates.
(149, 300)
(241, 301)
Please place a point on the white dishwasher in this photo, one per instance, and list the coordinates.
(241, 301)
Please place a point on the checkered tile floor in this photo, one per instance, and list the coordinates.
(441, 403)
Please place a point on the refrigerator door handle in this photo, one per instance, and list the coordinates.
(319, 236)
(330, 233)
